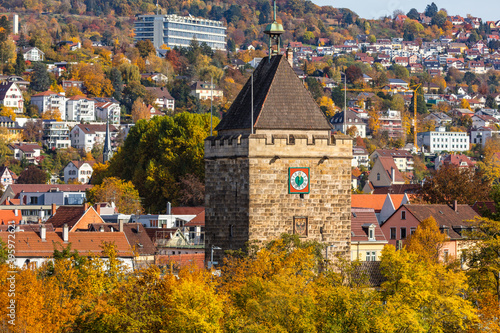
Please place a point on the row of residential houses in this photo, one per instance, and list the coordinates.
(41, 216)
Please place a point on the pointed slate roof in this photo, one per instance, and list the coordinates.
(281, 101)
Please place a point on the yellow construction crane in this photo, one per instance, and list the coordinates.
(415, 115)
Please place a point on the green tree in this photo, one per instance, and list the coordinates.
(115, 76)
(421, 105)
(314, 87)
(431, 10)
(413, 14)
(400, 72)
(159, 152)
(20, 64)
(338, 96)
(40, 79)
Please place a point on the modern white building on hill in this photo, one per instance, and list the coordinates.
(173, 30)
(438, 141)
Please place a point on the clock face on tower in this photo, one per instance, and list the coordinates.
(298, 180)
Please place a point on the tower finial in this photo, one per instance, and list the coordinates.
(274, 30)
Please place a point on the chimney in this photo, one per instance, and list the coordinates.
(393, 174)
(65, 232)
(289, 56)
(98, 208)
(86, 206)
(455, 206)
(121, 225)
(53, 210)
(169, 208)
(43, 232)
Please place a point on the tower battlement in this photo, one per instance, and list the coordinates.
(281, 145)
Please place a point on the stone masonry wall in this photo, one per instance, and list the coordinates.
(247, 199)
(226, 205)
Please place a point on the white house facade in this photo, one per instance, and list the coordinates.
(48, 101)
(444, 141)
(78, 170)
(11, 96)
(80, 108)
(86, 136)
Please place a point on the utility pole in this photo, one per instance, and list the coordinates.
(415, 95)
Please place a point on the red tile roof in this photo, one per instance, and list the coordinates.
(388, 165)
(361, 218)
(7, 216)
(29, 243)
(187, 210)
(18, 188)
(445, 216)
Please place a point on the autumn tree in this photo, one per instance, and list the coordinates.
(122, 193)
(33, 131)
(451, 182)
(464, 104)
(427, 241)
(145, 48)
(483, 259)
(139, 110)
(52, 114)
(421, 295)
(353, 74)
(490, 165)
(94, 79)
(192, 191)
(32, 175)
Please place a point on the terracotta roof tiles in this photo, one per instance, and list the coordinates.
(29, 243)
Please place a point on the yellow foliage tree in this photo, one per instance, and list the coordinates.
(427, 241)
(326, 104)
(74, 91)
(93, 78)
(374, 122)
(139, 111)
(122, 193)
(464, 104)
(7, 112)
(52, 114)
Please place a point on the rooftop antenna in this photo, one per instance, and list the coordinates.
(157, 9)
(211, 102)
(274, 30)
(251, 113)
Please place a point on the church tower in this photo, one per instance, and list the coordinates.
(274, 167)
(107, 152)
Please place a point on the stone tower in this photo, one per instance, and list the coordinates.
(279, 172)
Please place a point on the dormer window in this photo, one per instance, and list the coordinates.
(371, 233)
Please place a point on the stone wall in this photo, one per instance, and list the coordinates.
(247, 199)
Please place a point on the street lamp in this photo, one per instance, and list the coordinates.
(211, 263)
